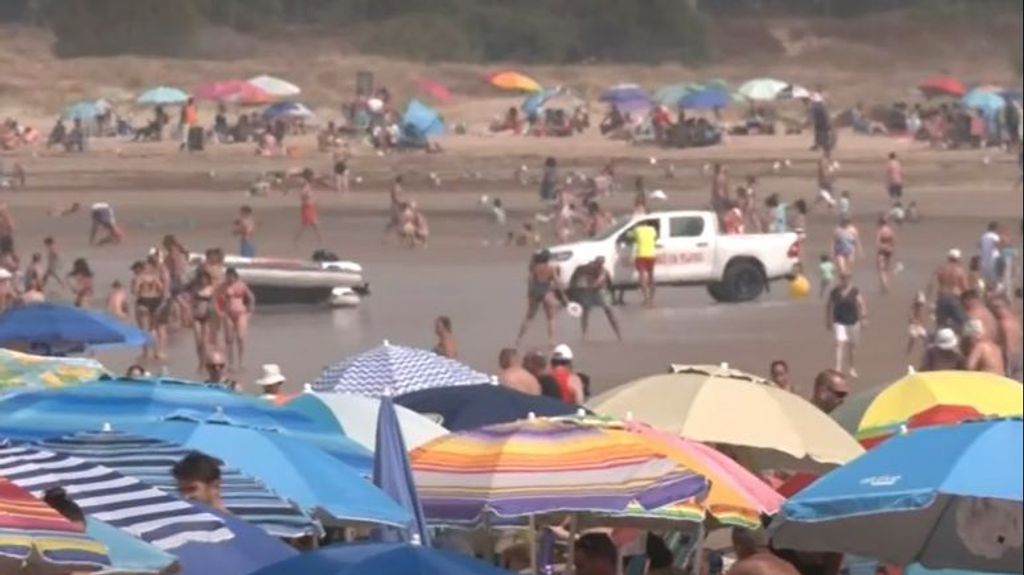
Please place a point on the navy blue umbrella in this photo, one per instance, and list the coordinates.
(474, 406)
(382, 559)
(393, 474)
(48, 327)
(249, 550)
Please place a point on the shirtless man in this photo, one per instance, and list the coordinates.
(945, 289)
(244, 228)
(984, 355)
(1009, 337)
(975, 308)
(753, 556)
(885, 245)
(514, 376)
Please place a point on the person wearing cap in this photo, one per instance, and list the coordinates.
(271, 382)
(983, 354)
(570, 386)
(945, 289)
(944, 353)
(754, 555)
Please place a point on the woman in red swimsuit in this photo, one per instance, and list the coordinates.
(239, 304)
(307, 210)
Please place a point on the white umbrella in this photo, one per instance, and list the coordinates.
(275, 86)
(762, 89)
(357, 416)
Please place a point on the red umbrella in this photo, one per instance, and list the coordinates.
(933, 416)
(942, 86)
(233, 92)
(435, 90)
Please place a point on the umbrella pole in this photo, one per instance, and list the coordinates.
(570, 567)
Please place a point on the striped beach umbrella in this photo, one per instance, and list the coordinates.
(35, 537)
(395, 370)
(539, 467)
(150, 461)
(124, 502)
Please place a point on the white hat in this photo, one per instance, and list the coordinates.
(955, 254)
(271, 375)
(563, 353)
(946, 340)
(5, 274)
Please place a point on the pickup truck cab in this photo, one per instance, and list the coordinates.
(691, 251)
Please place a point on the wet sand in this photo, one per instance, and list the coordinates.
(466, 274)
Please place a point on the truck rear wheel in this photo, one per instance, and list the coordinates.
(744, 281)
(718, 293)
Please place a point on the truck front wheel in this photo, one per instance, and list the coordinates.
(718, 293)
(744, 281)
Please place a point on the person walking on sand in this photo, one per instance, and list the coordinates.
(846, 246)
(341, 174)
(894, 179)
(80, 281)
(446, 346)
(645, 250)
(239, 305)
(244, 228)
(307, 209)
(53, 263)
(826, 183)
(885, 247)
(587, 287)
(846, 314)
(201, 298)
(948, 283)
(542, 291)
(150, 293)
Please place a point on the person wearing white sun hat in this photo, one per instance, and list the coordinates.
(944, 353)
(271, 382)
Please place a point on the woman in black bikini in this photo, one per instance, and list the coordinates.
(150, 292)
(202, 292)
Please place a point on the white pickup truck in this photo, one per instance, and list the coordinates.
(690, 252)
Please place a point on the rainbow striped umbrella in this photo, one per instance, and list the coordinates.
(539, 467)
(33, 536)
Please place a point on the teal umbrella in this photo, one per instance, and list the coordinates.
(162, 96)
(86, 110)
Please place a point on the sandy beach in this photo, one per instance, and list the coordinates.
(468, 274)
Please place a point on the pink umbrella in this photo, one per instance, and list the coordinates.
(435, 90)
(233, 92)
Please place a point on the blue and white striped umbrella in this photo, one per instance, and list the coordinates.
(124, 502)
(391, 370)
(151, 460)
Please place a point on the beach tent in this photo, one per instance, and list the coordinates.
(421, 121)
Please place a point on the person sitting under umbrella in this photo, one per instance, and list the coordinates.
(198, 478)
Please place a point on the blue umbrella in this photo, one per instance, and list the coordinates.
(250, 550)
(162, 96)
(305, 474)
(382, 559)
(706, 99)
(151, 461)
(33, 414)
(125, 502)
(86, 110)
(534, 102)
(287, 110)
(990, 103)
(127, 554)
(945, 497)
(49, 327)
(472, 407)
(393, 474)
(625, 93)
(391, 370)
(422, 120)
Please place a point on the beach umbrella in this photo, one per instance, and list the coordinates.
(624, 94)
(128, 555)
(50, 327)
(128, 504)
(1013, 95)
(766, 427)
(706, 99)
(251, 549)
(382, 559)
(276, 87)
(796, 92)
(34, 414)
(535, 101)
(291, 467)
(421, 121)
(762, 89)
(469, 407)
(937, 86)
(35, 537)
(150, 461)
(162, 96)
(877, 413)
(395, 370)
(671, 94)
(356, 417)
(538, 467)
(86, 110)
(513, 81)
(435, 90)
(944, 497)
(392, 474)
(24, 370)
(288, 111)
(990, 103)
(233, 92)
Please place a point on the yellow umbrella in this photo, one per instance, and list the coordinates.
(879, 412)
(765, 427)
(21, 369)
(514, 81)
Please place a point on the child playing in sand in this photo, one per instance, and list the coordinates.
(916, 330)
(827, 273)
